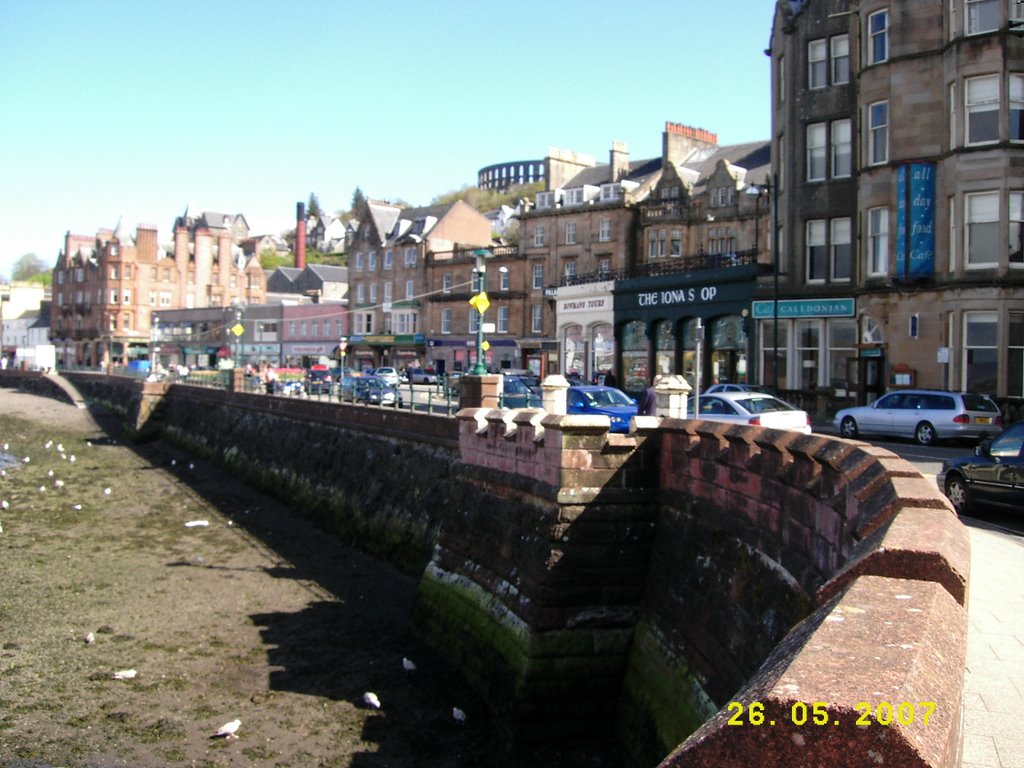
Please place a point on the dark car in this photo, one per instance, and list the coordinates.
(992, 477)
(516, 393)
(604, 401)
(318, 381)
(374, 390)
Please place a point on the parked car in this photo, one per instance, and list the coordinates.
(729, 387)
(992, 477)
(421, 376)
(516, 393)
(754, 408)
(389, 374)
(319, 381)
(604, 401)
(375, 390)
(926, 415)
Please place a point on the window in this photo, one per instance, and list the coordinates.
(816, 152)
(878, 132)
(570, 233)
(410, 289)
(982, 95)
(389, 259)
(676, 243)
(502, 319)
(570, 270)
(808, 334)
(538, 275)
(878, 37)
(476, 281)
(842, 139)
(842, 253)
(536, 319)
(817, 256)
(982, 236)
(359, 262)
(1017, 106)
(360, 294)
(878, 241)
(410, 256)
(373, 293)
(980, 354)
(504, 279)
(388, 291)
(780, 79)
(840, 45)
(474, 320)
(842, 349)
(165, 298)
(538, 235)
(1016, 216)
(446, 282)
(604, 266)
(1015, 356)
(446, 321)
(371, 262)
(983, 16)
(113, 272)
(604, 230)
(817, 64)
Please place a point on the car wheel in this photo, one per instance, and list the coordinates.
(956, 492)
(924, 434)
(848, 428)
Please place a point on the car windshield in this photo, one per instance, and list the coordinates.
(603, 397)
(764, 404)
(980, 403)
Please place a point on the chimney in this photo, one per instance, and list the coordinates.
(618, 159)
(300, 235)
(679, 141)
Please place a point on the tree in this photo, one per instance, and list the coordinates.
(360, 208)
(28, 266)
(313, 206)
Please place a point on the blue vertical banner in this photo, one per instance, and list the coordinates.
(915, 216)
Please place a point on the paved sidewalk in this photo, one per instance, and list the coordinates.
(994, 678)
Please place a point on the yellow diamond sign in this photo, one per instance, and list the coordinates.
(238, 329)
(480, 302)
(485, 346)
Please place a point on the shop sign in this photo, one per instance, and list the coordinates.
(792, 308)
(585, 304)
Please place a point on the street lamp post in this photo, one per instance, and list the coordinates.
(154, 329)
(771, 187)
(480, 304)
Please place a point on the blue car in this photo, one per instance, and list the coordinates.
(604, 401)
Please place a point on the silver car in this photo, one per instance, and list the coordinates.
(754, 408)
(926, 415)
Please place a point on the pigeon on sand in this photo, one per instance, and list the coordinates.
(227, 731)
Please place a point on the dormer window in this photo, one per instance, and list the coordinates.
(610, 192)
(573, 196)
(545, 200)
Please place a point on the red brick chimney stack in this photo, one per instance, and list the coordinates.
(300, 235)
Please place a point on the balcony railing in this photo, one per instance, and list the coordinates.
(667, 266)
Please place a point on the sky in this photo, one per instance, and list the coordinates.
(139, 110)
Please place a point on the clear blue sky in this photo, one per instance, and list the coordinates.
(143, 108)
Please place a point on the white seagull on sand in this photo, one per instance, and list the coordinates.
(89, 638)
(459, 715)
(227, 731)
(125, 674)
(197, 523)
(371, 700)
(408, 665)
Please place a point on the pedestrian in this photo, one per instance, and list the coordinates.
(610, 380)
(649, 399)
(271, 379)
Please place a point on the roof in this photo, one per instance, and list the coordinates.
(329, 273)
(602, 174)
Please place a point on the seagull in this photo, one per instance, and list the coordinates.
(106, 491)
(60, 447)
(58, 483)
(5, 504)
(77, 506)
(48, 444)
(227, 731)
(371, 700)
(6, 446)
(50, 473)
(459, 715)
(408, 665)
(71, 458)
(125, 674)
(27, 459)
(89, 638)
(197, 523)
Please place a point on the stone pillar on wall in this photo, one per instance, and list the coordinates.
(480, 391)
(672, 392)
(555, 388)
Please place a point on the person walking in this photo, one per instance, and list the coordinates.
(649, 400)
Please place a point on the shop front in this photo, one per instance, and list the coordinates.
(664, 324)
(458, 355)
(369, 351)
(586, 323)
